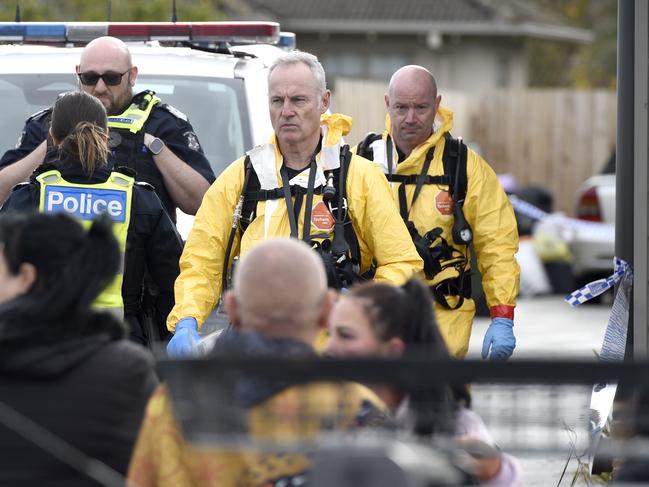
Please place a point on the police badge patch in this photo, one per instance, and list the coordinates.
(192, 141)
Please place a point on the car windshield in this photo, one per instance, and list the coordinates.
(216, 108)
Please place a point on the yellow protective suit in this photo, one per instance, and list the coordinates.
(381, 234)
(162, 458)
(487, 210)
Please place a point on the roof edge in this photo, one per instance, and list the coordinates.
(525, 29)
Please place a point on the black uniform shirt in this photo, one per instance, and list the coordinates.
(35, 131)
(164, 122)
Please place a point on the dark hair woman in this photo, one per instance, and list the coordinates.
(379, 319)
(71, 388)
(80, 184)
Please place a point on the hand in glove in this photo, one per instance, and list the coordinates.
(185, 338)
(500, 339)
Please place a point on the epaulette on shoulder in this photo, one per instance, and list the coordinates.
(40, 114)
(20, 185)
(174, 111)
(144, 185)
(48, 166)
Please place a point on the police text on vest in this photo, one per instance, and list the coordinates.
(86, 203)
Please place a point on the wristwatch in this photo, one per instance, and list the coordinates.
(156, 146)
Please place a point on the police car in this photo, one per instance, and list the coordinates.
(223, 93)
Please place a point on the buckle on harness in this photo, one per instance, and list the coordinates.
(342, 270)
(444, 265)
(458, 287)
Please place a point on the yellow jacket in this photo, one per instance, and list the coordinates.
(380, 231)
(162, 458)
(486, 208)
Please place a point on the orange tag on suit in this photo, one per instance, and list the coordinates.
(444, 203)
(321, 217)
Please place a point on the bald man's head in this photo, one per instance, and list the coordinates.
(109, 55)
(280, 289)
(414, 73)
(412, 102)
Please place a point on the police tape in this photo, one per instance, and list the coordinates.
(595, 288)
(529, 210)
(613, 350)
(616, 330)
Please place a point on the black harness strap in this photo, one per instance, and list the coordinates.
(277, 193)
(306, 228)
(454, 159)
(413, 178)
(422, 176)
(294, 209)
(420, 180)
(292, 217)
(342, 252)
(388, 154)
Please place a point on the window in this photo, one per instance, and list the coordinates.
(343, 65)
(216, 108)
(382, 66)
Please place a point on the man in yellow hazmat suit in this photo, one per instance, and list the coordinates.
(452, 203)
(303, 184)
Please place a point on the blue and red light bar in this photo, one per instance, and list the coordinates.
(83, 32)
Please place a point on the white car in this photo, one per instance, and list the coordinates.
(224, 94)
(593, 245)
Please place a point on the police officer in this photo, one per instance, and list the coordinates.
(291, 171)
(414, 152)
(153, 138)
(79, 183)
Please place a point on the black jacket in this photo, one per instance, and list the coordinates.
(153, 249)
(84, 385)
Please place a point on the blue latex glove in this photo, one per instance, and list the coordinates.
(500, 338)
(185, 338)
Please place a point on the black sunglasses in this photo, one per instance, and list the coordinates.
(110, 78)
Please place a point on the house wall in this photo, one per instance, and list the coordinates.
(556, 138)
(467, 64)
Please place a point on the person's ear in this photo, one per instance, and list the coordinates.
(386, 98)
(27, 275)
(328, 301)
(232, 309)
(326, 101)
(395, 347)
(438, 100)
(132, 75)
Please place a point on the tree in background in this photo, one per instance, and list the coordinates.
(588, 66)
(119, 10)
